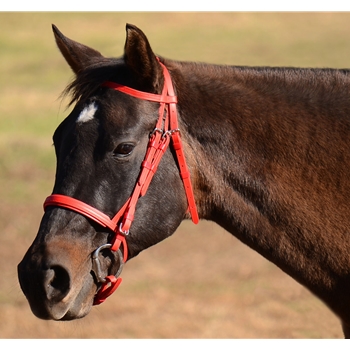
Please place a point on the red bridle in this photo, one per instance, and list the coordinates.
(165, 130)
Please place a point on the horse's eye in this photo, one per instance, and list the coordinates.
(124, 149)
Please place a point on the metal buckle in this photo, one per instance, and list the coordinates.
(171, 132)
(154, 131)
(124, 233)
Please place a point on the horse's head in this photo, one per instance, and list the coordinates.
(101, 152)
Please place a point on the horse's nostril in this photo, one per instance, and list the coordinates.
(56, 283)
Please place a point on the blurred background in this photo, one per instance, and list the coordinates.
(202, 282)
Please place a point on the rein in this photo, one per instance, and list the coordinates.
(166, 130)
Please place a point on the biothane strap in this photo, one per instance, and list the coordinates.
(94, 214)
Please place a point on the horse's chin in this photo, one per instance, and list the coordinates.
(72, 313)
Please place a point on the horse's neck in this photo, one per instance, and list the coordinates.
(264, 170)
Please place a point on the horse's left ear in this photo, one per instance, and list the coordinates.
(140, 58)
(77, 55)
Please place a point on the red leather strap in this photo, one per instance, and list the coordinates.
(82, 208)
(108, 288)
(185, 175)
(140, 94)
(92, 213)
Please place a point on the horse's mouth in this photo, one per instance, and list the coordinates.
(71, 308)
(50, 301)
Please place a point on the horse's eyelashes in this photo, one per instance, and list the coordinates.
(123, 149)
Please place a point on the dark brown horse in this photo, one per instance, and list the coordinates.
(268, 150)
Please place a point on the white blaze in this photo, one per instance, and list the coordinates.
(87, 113)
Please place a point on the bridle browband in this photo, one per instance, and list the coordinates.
(165, 130)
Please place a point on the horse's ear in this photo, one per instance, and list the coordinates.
(140, 58)
(77, 55)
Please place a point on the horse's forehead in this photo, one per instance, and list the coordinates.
(87, 113)
(115, 114)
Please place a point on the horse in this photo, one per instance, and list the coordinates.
(264, 152)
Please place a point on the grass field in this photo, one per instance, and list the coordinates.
(187, 286)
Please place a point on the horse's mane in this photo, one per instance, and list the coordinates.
(89, 80)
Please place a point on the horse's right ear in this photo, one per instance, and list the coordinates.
(77, 55)
(140, 58)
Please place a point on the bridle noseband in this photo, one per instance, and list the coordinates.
(166, 130)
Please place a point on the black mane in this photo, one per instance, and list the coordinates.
(88, 81)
